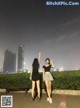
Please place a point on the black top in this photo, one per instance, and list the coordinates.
(47, 68)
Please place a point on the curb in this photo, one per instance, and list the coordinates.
(55, 91)
(67, 92)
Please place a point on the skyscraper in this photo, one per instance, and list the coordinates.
(9, 64)
(20, 57)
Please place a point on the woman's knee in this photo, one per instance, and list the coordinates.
(49, 86)
(33, 85)
(38, 84)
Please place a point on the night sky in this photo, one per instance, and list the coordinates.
(52, 30)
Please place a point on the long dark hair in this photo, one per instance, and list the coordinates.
(35, 65)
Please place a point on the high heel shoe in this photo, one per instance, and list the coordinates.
(33, 98)
(39, 98)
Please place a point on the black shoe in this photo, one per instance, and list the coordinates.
(33, 98)
(39, 98)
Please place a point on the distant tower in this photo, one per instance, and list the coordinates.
(9, 64)
(20, 57)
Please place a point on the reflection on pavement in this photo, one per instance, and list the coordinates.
(62, 101)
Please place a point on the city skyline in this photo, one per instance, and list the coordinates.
(52, 30)
(20, 61)
(9, 63)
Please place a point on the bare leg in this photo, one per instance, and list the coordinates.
(38, 88)
(50, 88)
(47, 87)
(33, 88)
(50, 99)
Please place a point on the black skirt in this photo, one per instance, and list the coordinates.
(35, 76)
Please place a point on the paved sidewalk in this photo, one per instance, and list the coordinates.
(22, 100)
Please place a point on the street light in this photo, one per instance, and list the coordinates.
(24, 63)
(61, 69)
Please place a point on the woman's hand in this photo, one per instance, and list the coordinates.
(30, 78)
(39, 57)
(39, 54)
(51, 62)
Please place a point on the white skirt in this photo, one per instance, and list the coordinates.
(47, 76)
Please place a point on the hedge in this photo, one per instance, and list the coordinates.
(66, 80)
(62, 80)
(17, 80)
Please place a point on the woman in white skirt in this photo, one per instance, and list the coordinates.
(47, 77)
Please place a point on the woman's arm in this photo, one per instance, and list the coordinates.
(31, 73)
(52, 65)
(43, 71)
(39, 57)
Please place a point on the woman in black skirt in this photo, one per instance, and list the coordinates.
(35, 76)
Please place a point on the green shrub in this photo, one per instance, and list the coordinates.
(62, 80)
(66, 80)
(17, 80)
